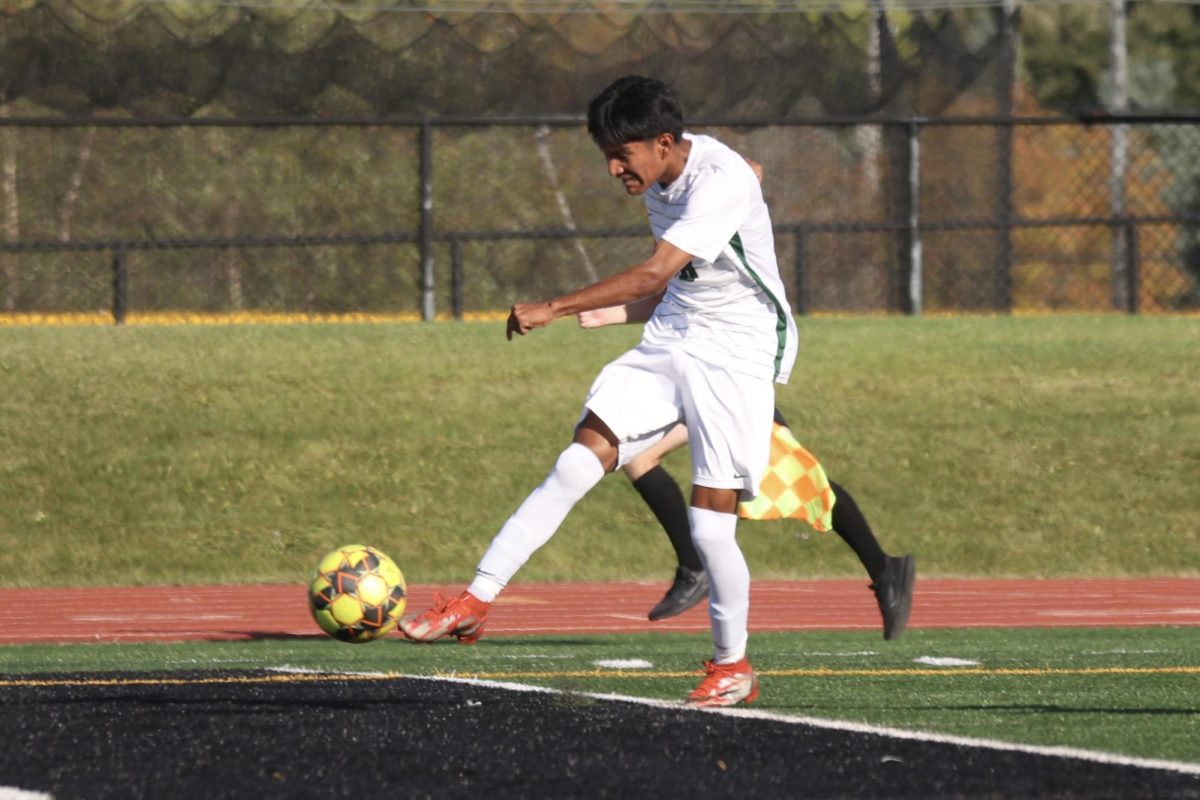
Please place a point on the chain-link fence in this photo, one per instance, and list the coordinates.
(449, 216)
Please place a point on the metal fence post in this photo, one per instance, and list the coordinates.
(1003, 281)
(800, 306)
(427, 299)
(1132, 269)
(456, 277)
(915, 277)
(120, 284)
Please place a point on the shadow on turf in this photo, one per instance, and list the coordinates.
(263, 636)
(522, 644)
(498, 643)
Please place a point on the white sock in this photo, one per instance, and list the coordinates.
(574, 474)
(715, 537)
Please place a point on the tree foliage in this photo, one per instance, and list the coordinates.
(1065, 56)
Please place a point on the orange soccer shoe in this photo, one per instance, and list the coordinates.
(725, 685)
(462, 617)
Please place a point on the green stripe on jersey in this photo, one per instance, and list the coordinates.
(781, 318)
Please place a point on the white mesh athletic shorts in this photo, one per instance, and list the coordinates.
(648, 390)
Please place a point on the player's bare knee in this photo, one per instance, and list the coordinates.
(723, 501)
(596, 436)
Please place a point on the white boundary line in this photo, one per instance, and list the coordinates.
(13, 793)
(1096, 756)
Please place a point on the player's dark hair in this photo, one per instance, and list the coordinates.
(634, 109)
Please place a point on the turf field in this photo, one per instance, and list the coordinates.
(952, 713)
(323, 736)
(1123, 691)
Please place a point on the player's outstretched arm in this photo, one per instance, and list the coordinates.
(647, 279)
(637, 311)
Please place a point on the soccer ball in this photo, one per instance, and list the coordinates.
(357, 594)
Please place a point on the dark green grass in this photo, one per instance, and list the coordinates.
(1062, 697)
(990, 446)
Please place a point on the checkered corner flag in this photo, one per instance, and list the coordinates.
(794, 486)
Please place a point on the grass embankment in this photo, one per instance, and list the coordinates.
(990, 446)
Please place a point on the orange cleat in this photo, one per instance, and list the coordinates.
(725, 685)
(462, 617)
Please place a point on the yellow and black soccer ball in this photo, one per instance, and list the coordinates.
(357, 594)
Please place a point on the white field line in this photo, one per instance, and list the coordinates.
(623, 663)
(1115, 613)
(13, 793)
(936, 661)
(1095, 756)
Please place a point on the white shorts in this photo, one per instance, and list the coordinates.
(648, 390)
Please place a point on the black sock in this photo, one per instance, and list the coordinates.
(662, 494)
(850, 524)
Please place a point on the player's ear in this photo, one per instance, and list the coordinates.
(664, 144)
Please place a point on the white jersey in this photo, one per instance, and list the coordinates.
(728, 307)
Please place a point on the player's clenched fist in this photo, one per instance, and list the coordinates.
(524, 317)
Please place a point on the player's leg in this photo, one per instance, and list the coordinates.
(662, 494)
(728, 418)
(892, 577)
(629, 408)
(850, 524)
(591, 455)
(729, 678)
(578, 468)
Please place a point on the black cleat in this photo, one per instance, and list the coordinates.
(689, 588)
(894, 592)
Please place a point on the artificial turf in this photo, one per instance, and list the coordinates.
(1124, 691)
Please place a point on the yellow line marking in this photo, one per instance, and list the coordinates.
(291, 677)
(820, 672)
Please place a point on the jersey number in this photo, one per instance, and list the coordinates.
(688, 273)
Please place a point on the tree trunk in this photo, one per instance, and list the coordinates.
(229, 260)
(869, 139)
(543, 148)
(12, 214)
(1118, 103)
(1006, 77)
(67, 210)
(898, 177)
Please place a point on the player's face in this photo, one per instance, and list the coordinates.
(637, 164)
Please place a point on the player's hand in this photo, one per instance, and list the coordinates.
(599, 317)
(524, 317)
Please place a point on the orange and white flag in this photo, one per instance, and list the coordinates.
(794, 486)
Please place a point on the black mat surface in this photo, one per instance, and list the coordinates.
(412, 738)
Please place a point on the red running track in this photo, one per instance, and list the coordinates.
(244, 612)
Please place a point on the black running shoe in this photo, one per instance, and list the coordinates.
(689, 588)
(894, 592)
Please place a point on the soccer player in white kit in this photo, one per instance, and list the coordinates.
(720, 336)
